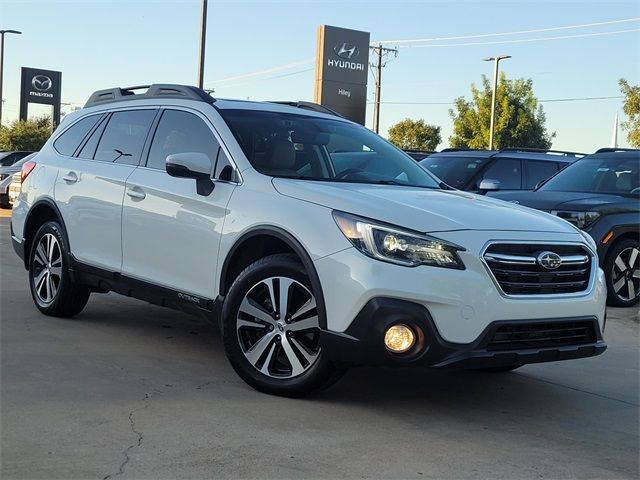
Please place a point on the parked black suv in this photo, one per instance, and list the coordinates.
(599, 194)
(480, 171)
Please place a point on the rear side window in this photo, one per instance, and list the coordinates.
(538, 171)
(124, 137)
(507, 171)
(68, 142)
(181, 132)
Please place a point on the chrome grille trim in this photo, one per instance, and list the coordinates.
(525, 260)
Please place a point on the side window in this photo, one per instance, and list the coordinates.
(507, 171)
(181, 132)
(88, 150)
(538, 171)
(68, 142)
(124, 137)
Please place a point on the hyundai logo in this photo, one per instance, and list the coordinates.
(346, 50)
(41, 83)
(549, 260)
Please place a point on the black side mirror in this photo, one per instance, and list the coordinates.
(192, 165)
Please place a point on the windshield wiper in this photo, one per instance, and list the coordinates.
(395, 182)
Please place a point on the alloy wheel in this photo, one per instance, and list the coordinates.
(47, 268)
(626, 274)
(277, 327)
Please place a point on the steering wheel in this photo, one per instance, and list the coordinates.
(347, 172)
(635, 190)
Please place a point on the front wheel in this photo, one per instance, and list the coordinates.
(52, 290)
(271, 329)
(622, 271)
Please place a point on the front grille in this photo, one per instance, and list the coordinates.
(518, 272)
(522, 336)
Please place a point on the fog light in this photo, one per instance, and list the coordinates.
(399, 338)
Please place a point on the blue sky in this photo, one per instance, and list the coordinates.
(100, 44)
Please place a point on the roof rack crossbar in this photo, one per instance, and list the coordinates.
(543, 150)
(314, 107)
(157, 90)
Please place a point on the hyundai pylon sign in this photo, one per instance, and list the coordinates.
(40, 86)
(342, 65)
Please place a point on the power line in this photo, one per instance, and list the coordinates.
(519, 32)
(458, 37)
(524, 40)
(576, 99)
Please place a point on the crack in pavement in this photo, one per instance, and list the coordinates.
(132, 425)
(575, 389)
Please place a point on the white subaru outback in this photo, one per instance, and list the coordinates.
(316, 243)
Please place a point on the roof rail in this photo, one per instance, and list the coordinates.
(616, 149)
(314, 107)
(157, 90)
(544, 150)
(465, 150)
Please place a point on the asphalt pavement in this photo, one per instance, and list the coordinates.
(130, 390)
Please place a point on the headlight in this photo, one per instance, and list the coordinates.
(394, 245)
(579, 219)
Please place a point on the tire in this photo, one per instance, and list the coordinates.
(276, 354)
(4, 201)
(622, 272)
(52, 290)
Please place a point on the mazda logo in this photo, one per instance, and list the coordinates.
(41, 83)
(549, 260)
(346, 50)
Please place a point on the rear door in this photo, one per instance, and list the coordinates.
(170, 234)
(90, 186)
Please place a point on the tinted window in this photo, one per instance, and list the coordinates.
(8, 160)
(124, 136)
(454, 171)
(89, 148)
(538, 171)
(181, 132)
(615, 173)
(320, 148)
(507, 172)
(68, 142)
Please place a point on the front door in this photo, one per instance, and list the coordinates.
(171, 234)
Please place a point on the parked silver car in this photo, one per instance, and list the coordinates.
(5, 179)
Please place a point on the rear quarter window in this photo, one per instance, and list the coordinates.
(68, 142)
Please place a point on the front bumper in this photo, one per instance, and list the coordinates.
(362, 343)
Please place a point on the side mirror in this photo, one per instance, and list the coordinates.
(192, 165)
(488, 185)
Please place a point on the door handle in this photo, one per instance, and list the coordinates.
(70, 177)
(136, 192)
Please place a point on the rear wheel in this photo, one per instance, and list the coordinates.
(271, 329)
(622, 271)
(52, 290)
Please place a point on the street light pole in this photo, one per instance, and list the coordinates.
(203, 39)
(495, 61)
(2, 32)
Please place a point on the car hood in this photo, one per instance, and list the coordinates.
(579, 201)
(421, 209)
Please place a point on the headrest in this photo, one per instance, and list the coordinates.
(281, 154)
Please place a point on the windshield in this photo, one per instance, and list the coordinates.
(316, 148)
(454, 171)
(599, 174)
(6, 159)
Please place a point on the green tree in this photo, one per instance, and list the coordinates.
(25, 134)
(415, 135)
(631, 108)
(520, 121)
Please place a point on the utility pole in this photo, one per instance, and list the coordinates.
(495, 61)
(203, 39)
(380, 53)
(2, 32)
